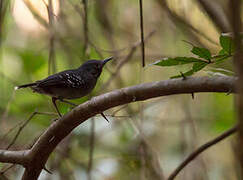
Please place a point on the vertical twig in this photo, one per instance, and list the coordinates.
(86, 35)
(51, 60)
(124, 61)
(91, 150)
(22, 125)
(92, 129)
(142, 31)
(235, 9)
(141, 108)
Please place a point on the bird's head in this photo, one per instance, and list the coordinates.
(94, 67)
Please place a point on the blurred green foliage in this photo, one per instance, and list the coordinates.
(113, 30)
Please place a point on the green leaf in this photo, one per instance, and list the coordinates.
(197, 66)
(176, 61)
(222, 52)
(221, 58)
(187, 73)
(227, 44)
(202, 52)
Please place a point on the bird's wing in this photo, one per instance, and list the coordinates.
(63, 79)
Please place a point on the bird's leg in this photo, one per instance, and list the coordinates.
(54, 103)
(67, 102)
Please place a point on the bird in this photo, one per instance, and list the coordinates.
(70, 84)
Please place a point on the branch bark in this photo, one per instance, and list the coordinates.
(15, 157)
(35, 158)
(235, 9)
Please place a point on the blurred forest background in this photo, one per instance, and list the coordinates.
(142, 140)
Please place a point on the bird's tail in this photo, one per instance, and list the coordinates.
(25, 85)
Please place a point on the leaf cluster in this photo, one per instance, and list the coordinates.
(203, 57)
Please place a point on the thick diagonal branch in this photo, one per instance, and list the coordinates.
(34, 159)
(61, 128)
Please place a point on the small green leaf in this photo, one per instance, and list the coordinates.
(176, 61)
(187, 73)
(202, 52)
(227, 44)
(221, 58)
(197, 66)
(222, 52)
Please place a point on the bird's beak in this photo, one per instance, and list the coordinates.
(106, 60)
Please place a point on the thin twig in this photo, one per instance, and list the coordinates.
(25, 124)
(20, 129)
(118, 116)
(10, 130)
(47, 170)
(125, 60)
(86, 35)
(51, 59)
(96, 49)
(142, 31)
(77, 9)
(103, 115)
(199, 150)
(8, 168)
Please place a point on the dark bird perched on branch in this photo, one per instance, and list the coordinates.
(70, 84)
